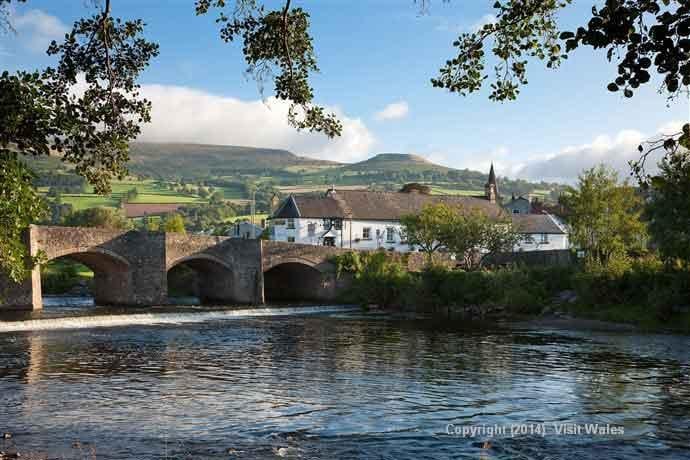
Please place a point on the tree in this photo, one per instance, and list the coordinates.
(216, 198)
(100, 217)
(277, 43)
(473, 237)
(605, 216)
(174, 223)
(43, 113)
(414, 187)
(131, 195)
(669, 209)
(151, 224)
(20, 206)
(641, 36)
(428, 228)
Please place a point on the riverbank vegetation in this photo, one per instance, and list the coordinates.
(646, 293)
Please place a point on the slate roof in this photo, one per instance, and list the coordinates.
(536, 223)
(369, 205)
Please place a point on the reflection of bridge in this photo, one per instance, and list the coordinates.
(130, 268)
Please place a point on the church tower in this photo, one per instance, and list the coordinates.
(491, 187)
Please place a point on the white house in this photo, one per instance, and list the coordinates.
(245, 230)
(360, 219)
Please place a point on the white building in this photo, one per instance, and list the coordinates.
(359, 219)
(245, 230)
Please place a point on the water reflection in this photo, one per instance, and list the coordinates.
(339, 386)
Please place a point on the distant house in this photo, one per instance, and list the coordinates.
(541, 232)
(518, 205)
(361, 219)
(245, 230)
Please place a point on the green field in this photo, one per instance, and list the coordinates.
(149, 191)
(443, 190)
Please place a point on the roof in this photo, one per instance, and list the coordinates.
(492, 175)
(536, 223)
(369, 205)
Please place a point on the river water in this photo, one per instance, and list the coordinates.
(330, 383)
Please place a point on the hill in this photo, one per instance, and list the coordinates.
(174, 173)
(197, 161)
(395, 162)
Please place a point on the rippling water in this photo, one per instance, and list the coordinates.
(334, 385)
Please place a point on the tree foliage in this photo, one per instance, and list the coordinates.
(174, 223)
(473, 237)
(20, 206)
(427, 229)
(605, 217)
(86, 110)
(100, 217)
(524, 28)
(277, 43)
(669, 209)
(468, 233)
(641, 37)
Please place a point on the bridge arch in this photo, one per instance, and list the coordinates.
(112, 281)
(202, 275)
(297, 279)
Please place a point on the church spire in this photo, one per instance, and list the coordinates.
(491, 187)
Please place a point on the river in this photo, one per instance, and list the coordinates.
(81, 382)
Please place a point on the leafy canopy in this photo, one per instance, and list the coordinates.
(669, 209)
(468, 233)
(605, 216)
(428, 228)
(101, 217)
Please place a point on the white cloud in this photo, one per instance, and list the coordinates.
(444, 25)
(484, 20)
(566, 165)
(393, 111)
(36, 29)
(182, 114)
(615, 151)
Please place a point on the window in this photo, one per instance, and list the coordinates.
(291, 239)
(338, 224)
(516, 211)
(311, 229)
(366, 233)
(544, 238)
(291, 223)
(390, 234)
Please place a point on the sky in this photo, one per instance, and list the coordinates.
(376, 58)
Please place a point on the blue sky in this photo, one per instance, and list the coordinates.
(376, 58)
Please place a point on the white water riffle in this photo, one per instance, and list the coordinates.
(153, 319)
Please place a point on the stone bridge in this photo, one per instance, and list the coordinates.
(132, 267)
